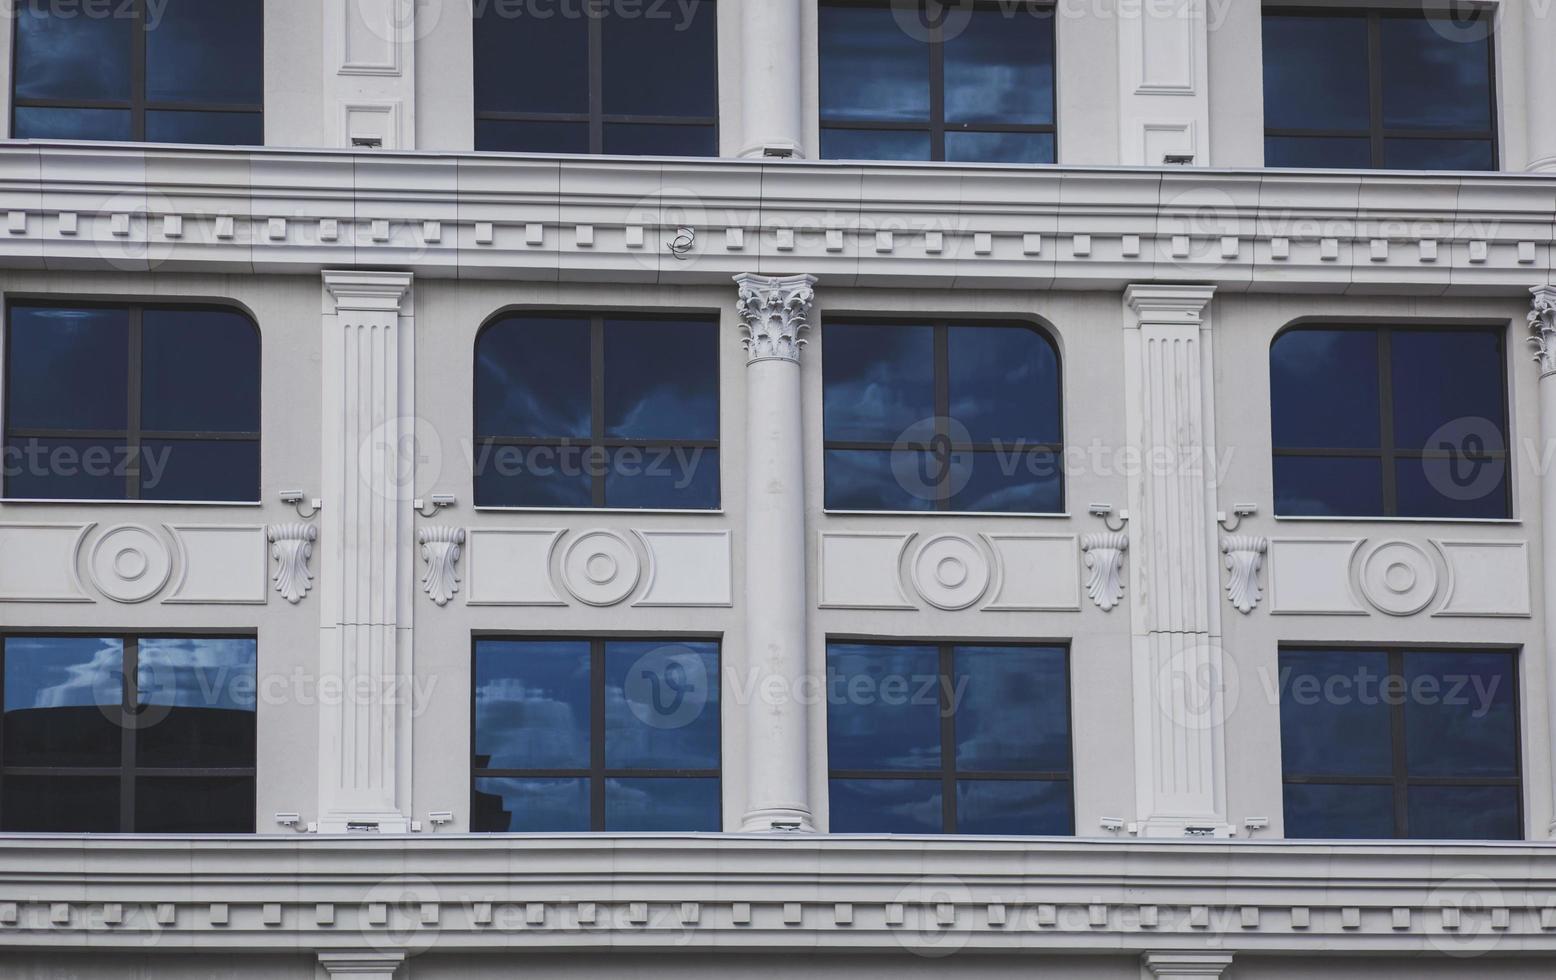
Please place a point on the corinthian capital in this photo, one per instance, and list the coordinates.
(773, 310)
(1542, 320)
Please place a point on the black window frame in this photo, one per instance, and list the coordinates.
(598, 445)
(128, 768)
(941, 441)
(138, 104)
(597, 773)
(1387, 454)
(1399, 778)
(936, 124)
(947, 774)
(1377, 133)
(135, 436)
(596, 117)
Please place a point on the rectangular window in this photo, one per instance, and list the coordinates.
(1401, 743)
(1400, 421)
(142, 734)
(131, 403)
(589, 78)
(949, 738)
(1357, 89)
(603, 735)
(961, 82)
(162, 71)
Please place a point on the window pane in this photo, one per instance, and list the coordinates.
(667, 805)
(509, 136)
(1436, 73)
(199, 469)
(1012, 707)
(664, 478)
(199, 51)
(661, 705)
(220, 128)
(1315, 73)
(1442, 377)
(194, 805)
(870, 67)
(867, 479)
(1419, 154)
(1464, 813)
(66, 469)
(1016, 807)
(651, 140)
(534, 476)
(200, 371)
(1328, 152)
(86, 56)
(1465, 487)
(67, 368)
(873, 144)
(531, 704)
(886, 806)
(59, 805)
(532, 377)
(661, 379)
(1459, 714)
(878, 380)
(1012, 481)
(1004, 383)
(62, 701)
(1000, 68)
(1308, 486)
(32, 123)
(526, 63)
(197, 698)
(530, 806)
(1324, 389)
(661, 60)
(1334, 713)
(883, 707)
(1337, 812)
(999, 147)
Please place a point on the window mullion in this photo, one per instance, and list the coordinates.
(942, 433)
(937, 122)
(1396, 668)
(138, 72)
(1386, 421)
(130, 694)
(133, 411)
(597, 735)
(597, 411)
(596, 78)
(1375, 85)
(947, 739)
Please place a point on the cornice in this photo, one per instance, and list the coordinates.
(135, 208)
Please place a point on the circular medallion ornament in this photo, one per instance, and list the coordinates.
(129, 564)
(600, 568)
(950, 572)
(1399, 578)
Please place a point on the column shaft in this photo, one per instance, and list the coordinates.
(1542, 320)
(771, 84)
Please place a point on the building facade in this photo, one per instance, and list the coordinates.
(777, 487)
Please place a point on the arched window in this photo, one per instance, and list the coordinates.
(131, 402)
(1389, 421)
(948, 416)
(579, 410)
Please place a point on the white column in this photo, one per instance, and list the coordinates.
(1164, 75)
(1542, 320)
(1539, 34)
(771, 84)
(773, 311)
(1174, 579)
(365, 571)
(370, 71)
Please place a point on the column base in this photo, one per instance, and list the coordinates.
(1209, 827)
(778, 820)
(1195, 966)
(364, 822)
(363, 964)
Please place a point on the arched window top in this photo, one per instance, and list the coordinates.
(597, 410)
(942, 415)
(1406, 420)
(131, 402)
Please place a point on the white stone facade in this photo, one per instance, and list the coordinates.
(384, 264)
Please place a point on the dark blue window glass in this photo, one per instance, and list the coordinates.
(578, 411)
(1395, 89)
(994, 65)
(656, 68)
(617, 735)
(954, 417)
(1391, 743)
(168, 722)
(77, 376)
(940, 738)
(1389, 421)
(203, 80)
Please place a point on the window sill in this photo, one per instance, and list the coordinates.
(680, 512)
(92, 502)
(1041, 515)
(1301, 518)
